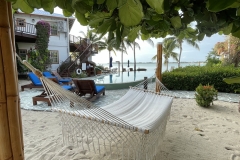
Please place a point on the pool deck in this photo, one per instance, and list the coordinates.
(110, 97)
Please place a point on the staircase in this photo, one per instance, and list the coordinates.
(83, 50)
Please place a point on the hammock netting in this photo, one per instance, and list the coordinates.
(130, 128)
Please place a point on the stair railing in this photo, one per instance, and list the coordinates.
(77, 58)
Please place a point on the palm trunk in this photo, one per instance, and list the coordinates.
(11, 138)
(109, 58)
(180, 53)
(134, 56)
(167, 65)
(122, 56)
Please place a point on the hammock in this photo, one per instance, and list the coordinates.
(130, 128)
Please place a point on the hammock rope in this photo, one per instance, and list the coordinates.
(131, 127)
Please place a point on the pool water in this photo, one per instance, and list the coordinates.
(123, 77)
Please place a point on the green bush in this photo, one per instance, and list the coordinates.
(188, 78)
(205, 95)
(82, 75)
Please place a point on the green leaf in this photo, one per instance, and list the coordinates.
(61, 3)
(219, 5)
(103, 28)
(201, 36)
(48, 5)
(66, 13)
(176, 22)
(145, 36)
(13, 1)
(35, 3)
(124, 31)
(98, 17)
(232, 80)
(227, 30)
(237, 33)
(130, 13)
(81, 6)
(157, 17)
(118, 35)
(157, 5)
(111, 4)
(81, 18)
(134, 33)
(238, 12)
(23, 5)
(100, 1)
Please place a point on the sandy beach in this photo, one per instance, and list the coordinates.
(192, 133)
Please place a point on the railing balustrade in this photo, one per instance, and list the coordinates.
(26, 28)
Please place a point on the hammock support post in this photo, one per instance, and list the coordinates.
(159, 65)
(11, 137)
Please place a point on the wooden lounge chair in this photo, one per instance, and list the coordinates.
(84, 87)
(36, 83)
(45, 98)
(60, 79)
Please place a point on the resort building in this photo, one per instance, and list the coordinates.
(61, 43)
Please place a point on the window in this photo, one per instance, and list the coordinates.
(22, 53)
(54, 57)
(53, 28)
(20, 22)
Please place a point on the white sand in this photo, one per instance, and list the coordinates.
(193, 133)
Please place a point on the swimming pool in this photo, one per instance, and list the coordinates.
(123, 77)
(122, 80)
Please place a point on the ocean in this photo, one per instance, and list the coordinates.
(152, 66)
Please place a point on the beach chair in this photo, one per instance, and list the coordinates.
(36, 83)
(84, 87)
(59, 78)
(43, 96)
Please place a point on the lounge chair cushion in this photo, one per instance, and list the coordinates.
(48, 75)
(65, 80)
(67, 87)
(35, 80)
(61, 80)
(99, 88)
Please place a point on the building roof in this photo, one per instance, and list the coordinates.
(48, 14)
(45, 13)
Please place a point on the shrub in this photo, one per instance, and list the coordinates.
(82, 75)
(205, 95)
(188, 78)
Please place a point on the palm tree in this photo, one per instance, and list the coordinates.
(180, 41)
(168, 46)
(135, 44)
(124, 45)
(94, 39)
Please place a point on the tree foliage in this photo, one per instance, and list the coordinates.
(153, 18)
(229, 50)
(40, 56)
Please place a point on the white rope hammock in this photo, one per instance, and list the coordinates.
(130, 128)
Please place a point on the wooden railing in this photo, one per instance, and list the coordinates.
(26, 28)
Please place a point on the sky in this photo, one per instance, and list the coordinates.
(146, 52)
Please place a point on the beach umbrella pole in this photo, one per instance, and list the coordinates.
(11, 137)
(159, 66)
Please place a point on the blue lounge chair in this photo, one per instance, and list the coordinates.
(36, 82)
(62, 80)
(84, 87)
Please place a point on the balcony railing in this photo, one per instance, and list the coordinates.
(25, 28)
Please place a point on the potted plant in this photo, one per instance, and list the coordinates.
(205, 95)
(99, 69)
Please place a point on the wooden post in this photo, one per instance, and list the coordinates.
(11, 138)
(159, 66)
(145, 83)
